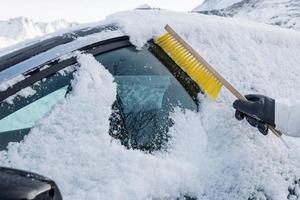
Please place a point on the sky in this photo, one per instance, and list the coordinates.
(82, 10)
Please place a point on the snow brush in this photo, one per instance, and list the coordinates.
(198, 69)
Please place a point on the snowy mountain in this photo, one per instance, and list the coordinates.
(284, 13)
(215, 4)
(21, 28)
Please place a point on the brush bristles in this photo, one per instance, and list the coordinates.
(192, 66)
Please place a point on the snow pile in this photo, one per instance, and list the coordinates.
(276, 12)
(18, 29)
(210, 156)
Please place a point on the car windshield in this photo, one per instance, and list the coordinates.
(147, 91)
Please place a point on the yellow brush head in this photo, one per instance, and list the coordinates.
(192, 66)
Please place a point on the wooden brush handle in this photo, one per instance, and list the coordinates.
(224, 82)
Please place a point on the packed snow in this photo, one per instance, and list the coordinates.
(210, 155)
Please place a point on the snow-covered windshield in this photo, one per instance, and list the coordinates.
(147, 93)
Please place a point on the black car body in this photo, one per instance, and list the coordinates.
(17, 184)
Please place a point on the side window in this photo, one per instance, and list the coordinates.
(19, 113)
(37, 109)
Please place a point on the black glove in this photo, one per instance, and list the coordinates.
(259, 111)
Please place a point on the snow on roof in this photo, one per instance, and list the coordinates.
(210, 156)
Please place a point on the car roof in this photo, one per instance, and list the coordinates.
(44, 45)
(22, 60)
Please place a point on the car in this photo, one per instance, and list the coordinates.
(48, 97)
(149, 86)
(17, 184)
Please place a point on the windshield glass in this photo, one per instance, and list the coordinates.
(147, 93)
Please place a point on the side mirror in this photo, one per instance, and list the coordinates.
(17, 184)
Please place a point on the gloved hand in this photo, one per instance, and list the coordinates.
(259, 111)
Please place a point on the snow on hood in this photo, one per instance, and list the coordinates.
(210, 156)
